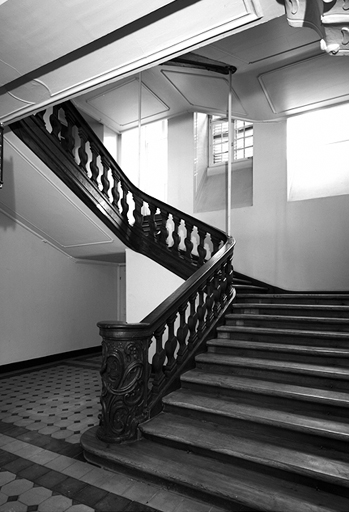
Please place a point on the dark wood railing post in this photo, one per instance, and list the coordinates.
(125, 374)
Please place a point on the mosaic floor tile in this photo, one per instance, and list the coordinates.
(43, 412)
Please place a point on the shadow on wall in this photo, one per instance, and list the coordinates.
(211, 195)
(7, 197)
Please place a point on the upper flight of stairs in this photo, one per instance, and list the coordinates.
(262, 421)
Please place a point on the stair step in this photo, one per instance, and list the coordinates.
(292, 397)
(249, 288)
(292, 309)
(296, 298)
(227, 444)
(259, 349)
(269, 369)
(283, 366)
(238, 488)
(289, 322)
(336, 339)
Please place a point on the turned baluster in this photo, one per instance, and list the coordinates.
(68, 141)
(187, 242)
(230, 278)
(201, 247)
(83, 156)
(93, 165)
(201, 312)
(40, 117)
(182, 333)
(170, 346)
(152, 222)
(115, 189)
(124, 203)
(137, 212)
(216, 242)
(158, 361)
(217, 293)
(163, 228)
(192, 321)
(209, 301)
(175, 235)
(55, 122)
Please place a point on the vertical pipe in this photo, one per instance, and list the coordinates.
(230, 150)
(1, 155)
(139, 128)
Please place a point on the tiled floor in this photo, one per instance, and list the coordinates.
(43, 412)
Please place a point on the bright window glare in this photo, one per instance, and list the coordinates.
(318, 154)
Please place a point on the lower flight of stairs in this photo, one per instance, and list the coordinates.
(262, 422)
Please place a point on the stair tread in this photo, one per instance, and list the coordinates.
(284, 332)
(321, 307)
(235, 409)
(287, 318)
(336, 372)
(340, 398)
(221, 480)
(328, 465)
(277, 347)
(302, 295)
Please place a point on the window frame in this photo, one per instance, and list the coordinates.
(240, 126)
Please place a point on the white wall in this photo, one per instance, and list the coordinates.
(181, 162)
(147, 285)
(300, 245)
(49, 303)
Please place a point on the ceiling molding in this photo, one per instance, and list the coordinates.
(291, 88)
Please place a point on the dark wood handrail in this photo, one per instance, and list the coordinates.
(133, 381)
(66, 143)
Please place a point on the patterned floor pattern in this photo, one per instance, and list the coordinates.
(43, 412)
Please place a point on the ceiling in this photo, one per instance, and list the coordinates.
(280, 71)
(114, 60)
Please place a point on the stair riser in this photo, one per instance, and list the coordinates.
(267, 299)
(296, 434)
(246, 289)
(296, 377)
(290, 311)
(250, 462)
(288, 338)
(160, 479)
(309, 406)
(290, 324)
(327, 360)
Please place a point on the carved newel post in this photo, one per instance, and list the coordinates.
(125, 373)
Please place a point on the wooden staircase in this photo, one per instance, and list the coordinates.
(262, 422)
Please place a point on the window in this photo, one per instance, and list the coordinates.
(242, 140)
(317, 154)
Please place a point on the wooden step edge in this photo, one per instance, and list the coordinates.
(254, 414)
(287, 318)
(212, 440)
(272, 389)
(278, 347)
(339, 296)
(285, 305)
(329, 372)
(283, 332)
(212, 478)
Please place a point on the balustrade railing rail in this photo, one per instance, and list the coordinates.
(148, 225)
(141, 361)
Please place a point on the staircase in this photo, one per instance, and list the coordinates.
(262, 422)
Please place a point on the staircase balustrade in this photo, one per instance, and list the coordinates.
(140, 362)
(180, 242)
(176, 329)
